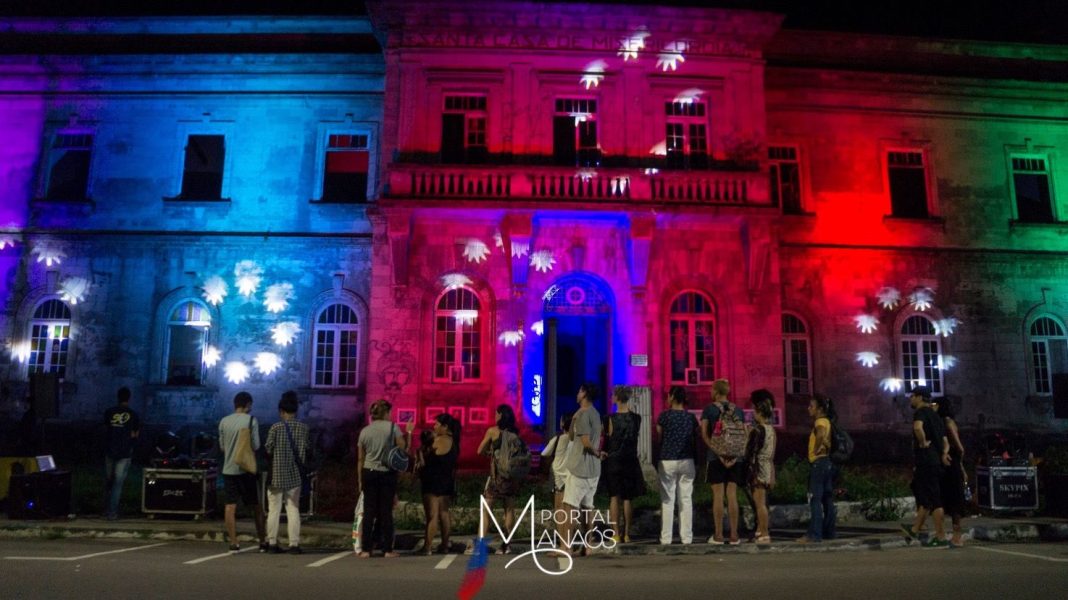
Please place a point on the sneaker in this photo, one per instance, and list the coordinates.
(909, 533)
(295, 550)
(235, 548)
(936, 543)
(275, 550)
(264, 547)
(713, 541)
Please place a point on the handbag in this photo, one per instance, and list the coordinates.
(397, 459)
(244, 455)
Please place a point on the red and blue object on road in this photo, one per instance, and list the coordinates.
(475, 576)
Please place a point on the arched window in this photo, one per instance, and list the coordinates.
(691, 331)
(921, 354)
(50, 338)
(796, 356)
(336, 347)
(187, 336)
(1049, 353)
(457, 336)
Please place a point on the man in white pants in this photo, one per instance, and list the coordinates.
(584, 460)
(287, 443)
(677, 430)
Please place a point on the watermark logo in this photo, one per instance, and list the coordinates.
(562, 529)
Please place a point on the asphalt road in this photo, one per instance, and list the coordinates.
(76, 568)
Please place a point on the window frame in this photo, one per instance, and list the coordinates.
(322, 149)
(585, 156)
(223, 128)
(457, 362)
(205, 335)
(1014, 154)
(50, 322)
(49, 162)
(691, 319)
(1044, 341)
(928, 178)
(937, 386)
(469, 114)
(337, 329)
(687, 122)
(775, 163)
(804, 336)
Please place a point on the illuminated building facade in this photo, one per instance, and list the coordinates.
(457, 205)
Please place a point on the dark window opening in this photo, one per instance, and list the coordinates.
(785, 173)
(1030, 181)
(908, 185)
(68, 178)
(203, 174)
(463, 130)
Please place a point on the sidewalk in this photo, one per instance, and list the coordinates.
(853, 534)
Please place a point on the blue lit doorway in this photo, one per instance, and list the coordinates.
(578, 343)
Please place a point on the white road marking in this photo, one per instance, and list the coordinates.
(331, 558)
(84, 556)
(445, 562)
(1024, 554)
(197, 561)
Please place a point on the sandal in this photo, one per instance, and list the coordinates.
(503, 549)
(764, 539)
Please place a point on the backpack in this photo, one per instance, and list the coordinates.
(841, 445)
(732, 436)
(512, 459)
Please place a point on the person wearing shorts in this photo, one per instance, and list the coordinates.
(584, 460)
(931, 449)
(239, 486)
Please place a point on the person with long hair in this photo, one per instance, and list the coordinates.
(822, 474)
(376, 479)
(499, 485)
(676, 429)
(557, 448)
(954, 478)
(439, 479)
(760, 459)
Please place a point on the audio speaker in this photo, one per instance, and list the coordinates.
(39, 495)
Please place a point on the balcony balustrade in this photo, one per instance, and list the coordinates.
(466, 182)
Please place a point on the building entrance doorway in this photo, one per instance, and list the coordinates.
(578, 344)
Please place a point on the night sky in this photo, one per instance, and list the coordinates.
(1041, 21)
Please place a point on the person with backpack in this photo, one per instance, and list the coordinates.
(377, 476)
(622, 470)
(821, 525)
(760, 458)
(584, 460)
(287, 443)
(725, 434)
(508, 455)
(676, 429)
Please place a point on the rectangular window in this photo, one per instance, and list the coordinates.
(324, 357)
(784, 169)
(575, 133)
(687, 135)
(703, 350)
(185, 356)
(49, 343)
(908, 184)
(795, 363)
(1030, 182)
(202, 175)
(463, 130)
(346, 167)
(1040, 354)
(68, 173)
(680, 349)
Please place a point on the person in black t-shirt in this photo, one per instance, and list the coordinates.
(931, 449)
(123, 427)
